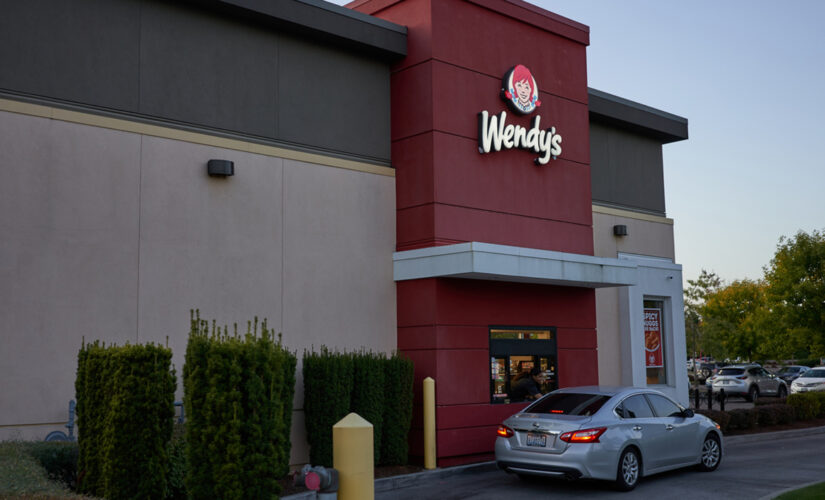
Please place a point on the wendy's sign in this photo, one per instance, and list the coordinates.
(520, 92)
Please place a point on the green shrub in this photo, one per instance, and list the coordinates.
(742, 419)
(237, 393)
(807, 405)
(125, 405)
(59, 458)
(720, 417)
(328, 381)
(785, 414)
(368, 394)
(176, 477)
(767, 415)
(398, 408)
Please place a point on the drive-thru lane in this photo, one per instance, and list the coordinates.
(753, 467)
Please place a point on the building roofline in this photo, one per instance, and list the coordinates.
(614, 110)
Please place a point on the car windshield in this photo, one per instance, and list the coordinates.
(569, 403)
(731, 371)
(789, 370)
(818, 373)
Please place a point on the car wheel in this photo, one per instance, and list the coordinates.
(782, 392)
(753, 394)
(630, 468)
(711, 454)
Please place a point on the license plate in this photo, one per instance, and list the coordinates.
(534, 439)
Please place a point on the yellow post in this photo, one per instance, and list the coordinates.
(353, 458)
(429, 423)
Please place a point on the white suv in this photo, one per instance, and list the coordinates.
(811, 380)
(750, 381)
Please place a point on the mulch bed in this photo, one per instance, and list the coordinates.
(288, 488)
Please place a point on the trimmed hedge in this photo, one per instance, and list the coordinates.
(398, 408)
(720, 417)
(328, 382)
(125, 405)
(742, 419)
(375, 387)
(59, 458)
(238, 399)
(808, 405)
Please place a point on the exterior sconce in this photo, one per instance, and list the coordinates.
(220, 168)
(620, 230)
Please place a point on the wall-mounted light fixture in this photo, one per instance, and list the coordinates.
(220, 168)
(619, 230)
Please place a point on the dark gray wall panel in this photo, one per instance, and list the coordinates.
(626, 169)
(79, 51)
(199, 68)
(334, 99)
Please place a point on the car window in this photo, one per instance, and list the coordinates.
(754, 371)
(569, 403)
(664, 407)
(731, 371)
(813, 374)
(637, 407)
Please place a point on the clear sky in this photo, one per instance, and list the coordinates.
(749, 75)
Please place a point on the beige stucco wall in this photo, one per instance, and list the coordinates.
(647, 235)
(115, 235)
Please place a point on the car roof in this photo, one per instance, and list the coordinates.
(608, 390)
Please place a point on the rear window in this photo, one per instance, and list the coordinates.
(731, 371)
(814, 374)
(569, 403)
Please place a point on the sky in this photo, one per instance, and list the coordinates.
(749, 75)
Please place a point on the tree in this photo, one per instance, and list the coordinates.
(695, 295)
(736, 322)
(796, 292)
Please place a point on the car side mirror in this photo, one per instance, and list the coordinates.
(687, 413)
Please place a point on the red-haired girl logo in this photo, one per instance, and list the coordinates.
(521, 93)
(519, 90)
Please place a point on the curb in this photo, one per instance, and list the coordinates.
(412, 480)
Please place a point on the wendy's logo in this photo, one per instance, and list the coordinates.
(519, 90)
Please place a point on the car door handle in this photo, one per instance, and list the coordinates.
(637, 428)
(668, 427)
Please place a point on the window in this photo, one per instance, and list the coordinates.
(514, 351)
(663, 407)
(637, 407)
(655, 341)
(570, 404)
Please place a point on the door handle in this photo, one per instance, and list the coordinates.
(669, 427)
(637, 428)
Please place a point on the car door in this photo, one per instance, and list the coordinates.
(769, 383)
(681, 433)
(650, 434)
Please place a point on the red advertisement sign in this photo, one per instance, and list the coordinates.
(653, 338)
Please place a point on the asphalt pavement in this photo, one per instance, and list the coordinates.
(755, 466)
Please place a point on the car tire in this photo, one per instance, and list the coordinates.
(711, 454)
(629, 470)
(782, 392)
(753, 394)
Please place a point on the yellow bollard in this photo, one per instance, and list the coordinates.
(429, 423)
(352, 456)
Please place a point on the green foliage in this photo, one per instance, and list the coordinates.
(398, 408)
(59, 458)
(743, 419)
(375, 387)
(735, 319)
(21, 476)
(807, 405)
(238, 393)
(368, 394)
(328, 382)
(125, 405)
(176, 477)
(694, 298)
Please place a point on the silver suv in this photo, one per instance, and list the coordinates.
(750, 381)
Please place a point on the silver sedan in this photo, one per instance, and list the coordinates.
(618, 434)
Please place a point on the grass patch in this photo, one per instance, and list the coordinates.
(813, 492)
(22, 476)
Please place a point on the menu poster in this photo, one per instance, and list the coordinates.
(653, 338)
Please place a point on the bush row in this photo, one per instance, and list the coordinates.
(377, 388)
(238, 393)
(803, 406)
(125, 404)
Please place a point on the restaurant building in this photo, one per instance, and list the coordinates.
(429, 176)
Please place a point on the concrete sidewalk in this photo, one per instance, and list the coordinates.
(419, 478)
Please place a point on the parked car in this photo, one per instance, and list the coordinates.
(704, 371)
(615, 434)
(791, 372)
(811, 380)
(750, 381)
